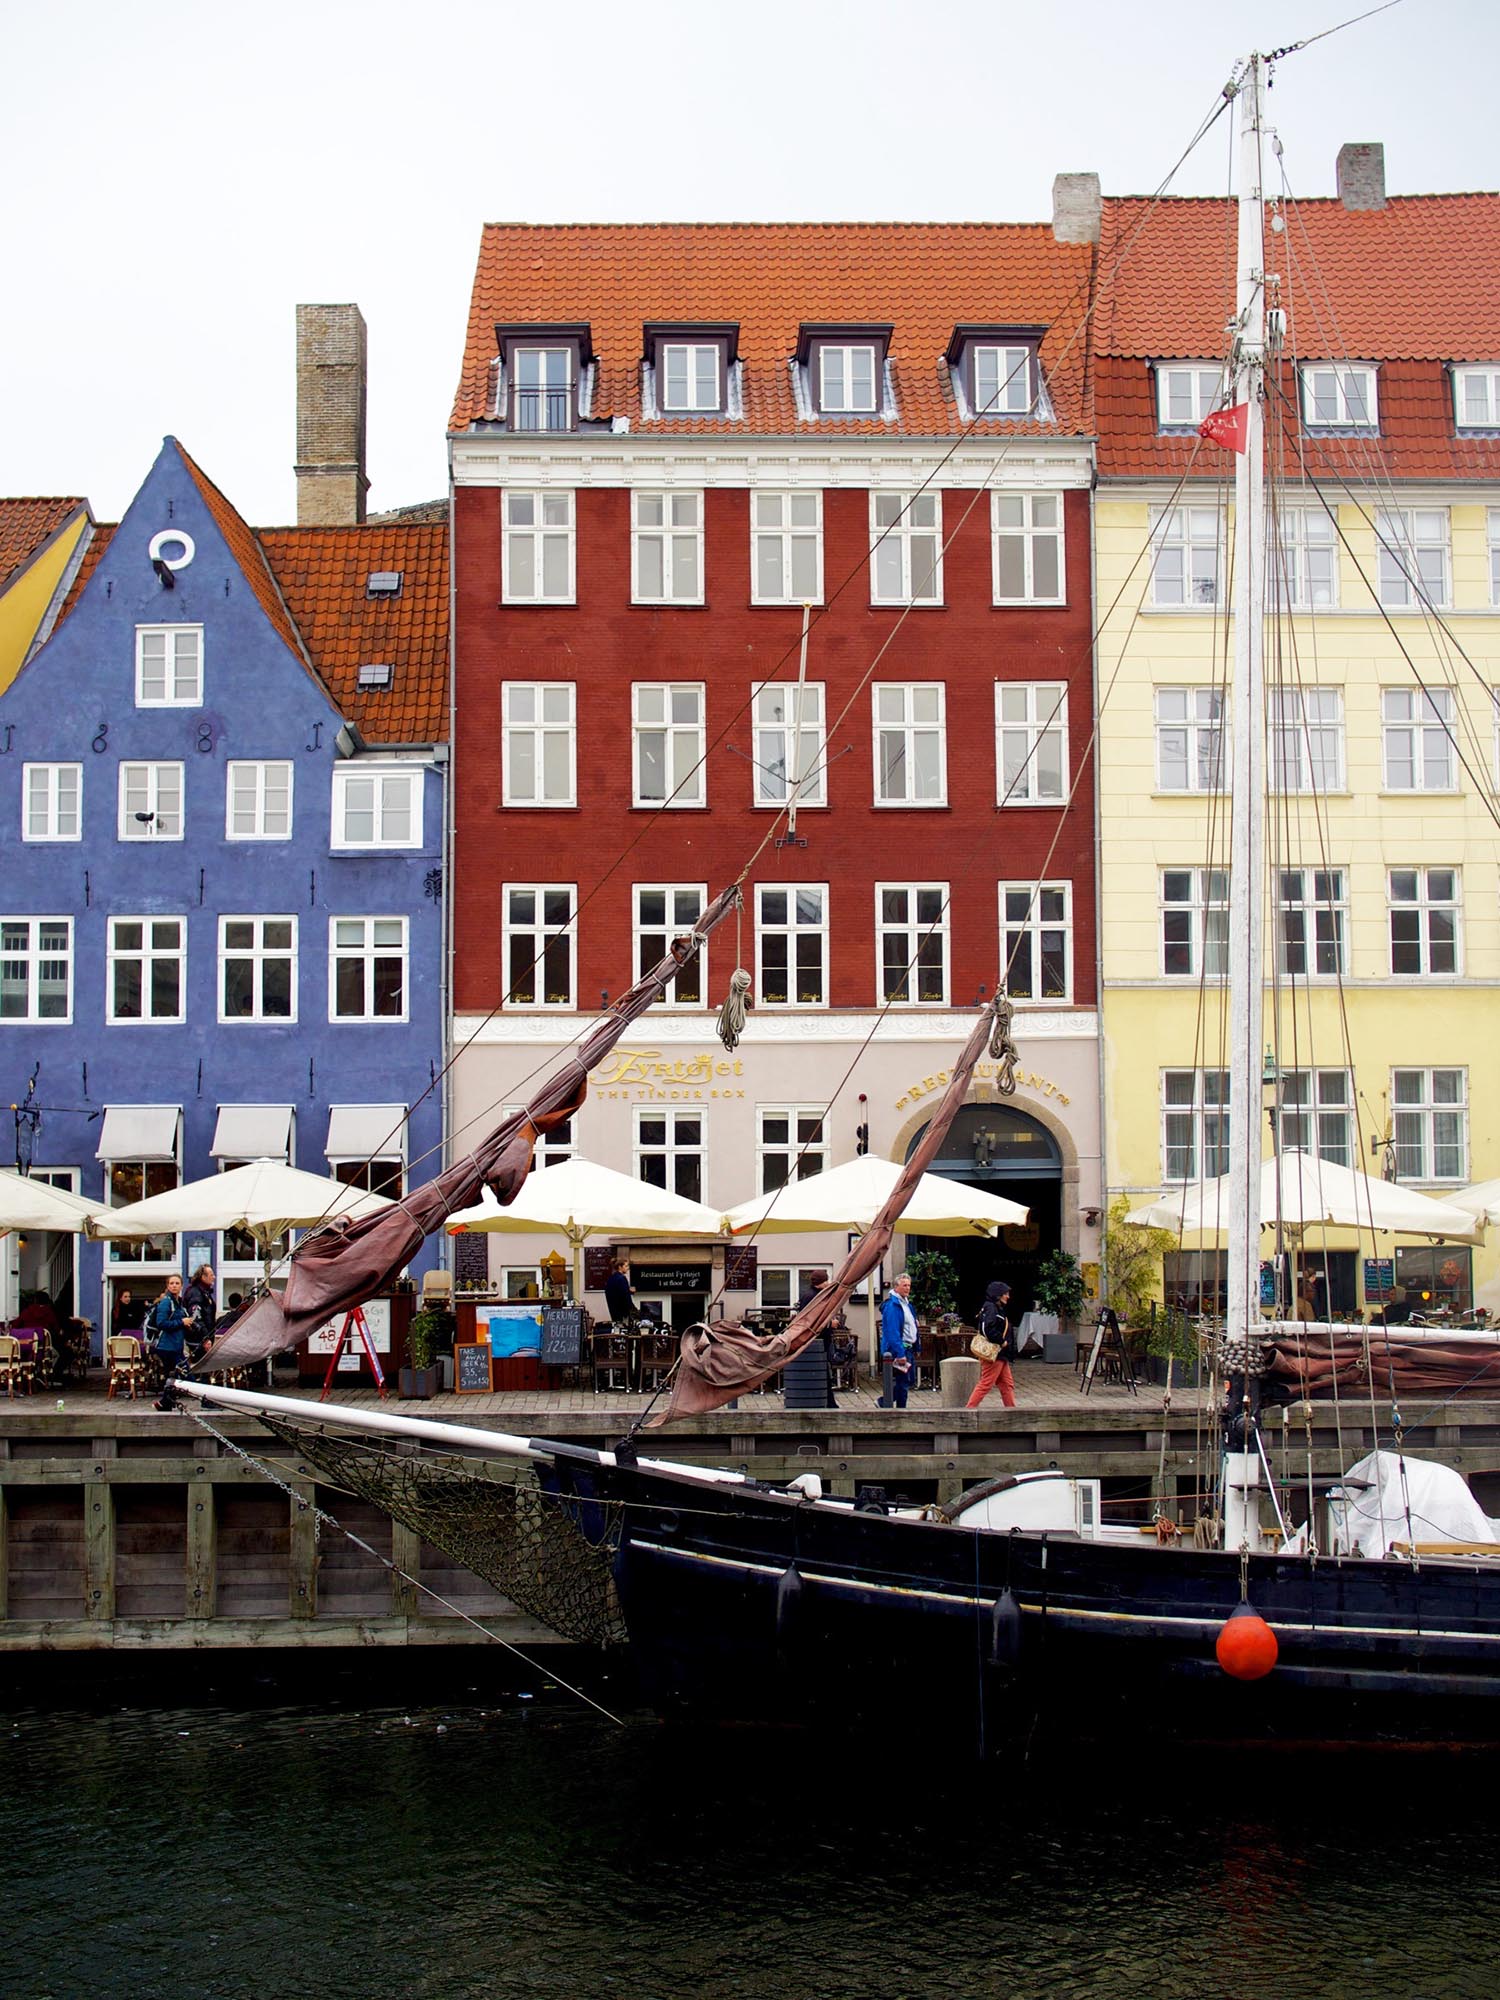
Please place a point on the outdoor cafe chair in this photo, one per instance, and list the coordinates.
(611, 1358)
(126, 1365)
(15, 1366)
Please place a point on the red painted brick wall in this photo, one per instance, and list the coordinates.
(603, 642)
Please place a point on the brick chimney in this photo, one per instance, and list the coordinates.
(330, 468)
(1076, 208)
(1361, 173)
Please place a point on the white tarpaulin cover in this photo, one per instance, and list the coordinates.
(1387, 1498)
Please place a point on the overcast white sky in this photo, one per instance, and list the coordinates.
(174, 179)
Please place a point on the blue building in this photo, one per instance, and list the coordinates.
(221, 921)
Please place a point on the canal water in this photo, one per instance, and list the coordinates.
(473, 1841)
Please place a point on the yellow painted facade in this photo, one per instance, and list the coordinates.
(24, 604)
(1382, 1027)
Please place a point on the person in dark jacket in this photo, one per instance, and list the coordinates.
(617, 1294)
(994, 1324)
(199, 1301)
(167, 1330)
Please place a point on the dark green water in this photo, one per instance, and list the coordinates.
(469, 1847)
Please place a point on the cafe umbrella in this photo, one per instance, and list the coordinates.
(578, 1198)
(1308, 1190)
(31, 1204)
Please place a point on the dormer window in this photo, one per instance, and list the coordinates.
(1476, 397)
(1338, 397)
(545, 370)
(995, 370)
(1187, 392)
(845, 369)
(689, 369)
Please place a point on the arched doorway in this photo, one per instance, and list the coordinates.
(1005, 1152)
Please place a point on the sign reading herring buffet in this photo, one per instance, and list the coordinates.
(647, 1075)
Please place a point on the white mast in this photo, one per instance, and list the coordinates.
(1247, 782)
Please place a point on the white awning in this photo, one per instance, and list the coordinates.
(366, 1132)
(253, 1132)
(139, 1132)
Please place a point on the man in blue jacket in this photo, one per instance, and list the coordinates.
(898, 1345)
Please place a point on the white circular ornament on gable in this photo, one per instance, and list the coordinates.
(169, 539)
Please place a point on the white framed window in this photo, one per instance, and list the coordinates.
(367, 968)
(779, 1286)
(36, 968)
(168, 666)
(1430, 1124)
(911, 757)
(1036, 941)
(789, 756)
(1031, 742)
(1413, 548)
(377, 808)
(53, 802)
(540, 944)
(258, 800)
(551, 1149)
(257, 968)
(911, 943)
(1004, 383)
(1187, 392)
(786, 548)
(539, 548)
(384, 1174)
(1305, 560)
(539, 751)
(671, 1151)
(147, 969)
(846, 380)
(790, 1143)
(1307, 739)
(689, 376)
(1312, 921)
(1476, 397)
(791, 938)
(1027, 548)
(1418, 731)
(1425, 923)
(541, 388)
(906, 548)
(1194, 1124)
(667, 530)
(1187, 556)
(1316, 1108)
(1194, 922)
(1190, 739)
(150, 802)
(664, 910)
(126, 1181)
(667, 718)
(1338, 396)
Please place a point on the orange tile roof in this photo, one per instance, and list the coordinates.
(99, 541)
(247, 552)
(769, 278)
(1411, 287)
(27, 525)
(322, 573)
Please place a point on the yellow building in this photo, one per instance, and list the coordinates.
(41, 545)
(1383, 895)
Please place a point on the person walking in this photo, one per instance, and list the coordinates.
(199, 1300)
(618, 1299)
(898, 1346)
(167, 1331)
(994, 1324)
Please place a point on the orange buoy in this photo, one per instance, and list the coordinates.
(1246, 1647)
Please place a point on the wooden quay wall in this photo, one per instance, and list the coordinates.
(123, 1528)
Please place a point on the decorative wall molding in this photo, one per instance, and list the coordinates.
(942, 1029)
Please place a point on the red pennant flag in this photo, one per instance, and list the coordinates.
(1229, 428)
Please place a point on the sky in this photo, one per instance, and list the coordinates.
(174, 180)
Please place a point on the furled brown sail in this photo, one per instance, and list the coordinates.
(722, 1361)
(346, 1263)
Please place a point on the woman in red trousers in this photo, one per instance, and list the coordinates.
(995, 1325)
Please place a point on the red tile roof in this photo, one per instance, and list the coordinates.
(1411, 287)
(26, 527)
(769, 278)
(247, 552)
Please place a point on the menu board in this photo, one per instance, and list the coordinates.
(598, 1262)
(471, 1368)
(562, 1337)
(741, 1262)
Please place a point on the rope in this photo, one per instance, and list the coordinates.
(732, 1014)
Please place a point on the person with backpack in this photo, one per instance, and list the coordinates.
(995, 1328)
(167, 1328)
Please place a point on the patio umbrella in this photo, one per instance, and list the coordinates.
(29, 1204)
(850, 1197)
(1481, 1199)
(1313, 1190)
(578, 1198)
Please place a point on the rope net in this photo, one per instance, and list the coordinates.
(550, 1551)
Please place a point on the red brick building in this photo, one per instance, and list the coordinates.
(667, 441)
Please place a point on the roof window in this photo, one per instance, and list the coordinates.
(845, 367)
(689, 367)
(547, 369)
(383, 583)
(996, 372)
(374, 675)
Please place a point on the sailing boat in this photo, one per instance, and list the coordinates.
(746, 1600)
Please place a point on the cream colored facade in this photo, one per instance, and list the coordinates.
(1386, 1030)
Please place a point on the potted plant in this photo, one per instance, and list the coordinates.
(1171, 1347)
(934, 1283)
(1058, 1287)
(419, 1374)
(1132, 1275)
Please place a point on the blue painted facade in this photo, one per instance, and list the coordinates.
(75, 703)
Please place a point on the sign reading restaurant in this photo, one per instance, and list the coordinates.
(984, 1073)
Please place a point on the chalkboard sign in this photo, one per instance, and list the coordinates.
(1380, 1278)
(740, 1263)
(471, 1368)
(562, 1337)
(598, 1262)
(471, 1258)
